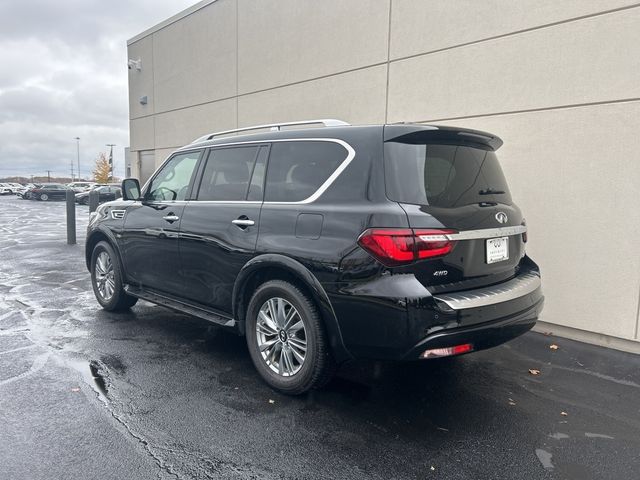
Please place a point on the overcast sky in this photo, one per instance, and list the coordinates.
(63, 74)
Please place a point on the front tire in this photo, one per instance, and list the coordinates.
(286, 339)
(106, 279)
(44, 197)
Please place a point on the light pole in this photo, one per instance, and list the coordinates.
(111, 145)
(78, 145)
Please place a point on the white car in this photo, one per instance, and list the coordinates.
(22, 189)
(16, 187)
(79, 187)
(9, 188)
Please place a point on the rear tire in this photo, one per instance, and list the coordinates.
(286, 339)
(106, 279)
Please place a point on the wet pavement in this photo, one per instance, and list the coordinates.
(154, 394)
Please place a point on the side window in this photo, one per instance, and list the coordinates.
(172, 181)
(297, 169)
(227, 173)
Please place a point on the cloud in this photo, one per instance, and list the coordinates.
(64, 75)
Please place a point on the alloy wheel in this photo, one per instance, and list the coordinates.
(104, 276)
(281, 336)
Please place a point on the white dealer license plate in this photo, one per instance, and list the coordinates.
(497, 249)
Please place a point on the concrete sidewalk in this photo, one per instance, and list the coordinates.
(154, 394)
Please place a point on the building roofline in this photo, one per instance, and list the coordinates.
(170, 20)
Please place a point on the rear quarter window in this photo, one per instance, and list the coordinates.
(297, 169)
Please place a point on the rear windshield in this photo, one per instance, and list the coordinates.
(443, 175)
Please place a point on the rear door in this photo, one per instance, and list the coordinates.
(458, 185)
(220, 225)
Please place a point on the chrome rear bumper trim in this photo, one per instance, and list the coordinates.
(487, 233)
(503, 292)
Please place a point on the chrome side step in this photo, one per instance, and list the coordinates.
(179, 306)
(503, 292)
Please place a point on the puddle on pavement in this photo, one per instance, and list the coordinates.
(598, 435)
(545, 458)
(92, 376)
(99, 380)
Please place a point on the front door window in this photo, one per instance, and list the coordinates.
(172, 181)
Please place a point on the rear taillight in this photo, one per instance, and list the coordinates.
(396, 246)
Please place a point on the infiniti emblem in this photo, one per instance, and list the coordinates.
(501, 217)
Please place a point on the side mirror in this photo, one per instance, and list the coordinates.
(130, 189)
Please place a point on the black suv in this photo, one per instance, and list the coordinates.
(319, 245)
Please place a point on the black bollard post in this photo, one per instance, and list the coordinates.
(71, 217)
(94, 198)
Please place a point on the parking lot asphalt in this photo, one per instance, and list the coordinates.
(153, 394)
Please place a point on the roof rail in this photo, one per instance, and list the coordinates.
(327, 122)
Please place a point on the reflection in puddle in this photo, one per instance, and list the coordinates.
(92, 376)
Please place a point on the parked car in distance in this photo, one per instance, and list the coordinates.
(48, 191)
(79, 187)
(26, 192)
(12, 187)
(106, 193)
(22, 189)
(319, 245)
(5, 189)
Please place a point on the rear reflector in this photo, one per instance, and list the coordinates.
(447, 351)
(395, 246)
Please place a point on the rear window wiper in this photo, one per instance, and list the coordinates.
(491, 191)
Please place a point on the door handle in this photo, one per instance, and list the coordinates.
(243, 222)
(171, 218)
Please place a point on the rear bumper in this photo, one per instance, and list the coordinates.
(397, 318)
(482, 335)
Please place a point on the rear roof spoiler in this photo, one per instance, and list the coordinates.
(416, 133)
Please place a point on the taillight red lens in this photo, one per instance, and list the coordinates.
(432, 243)
(391, 247)
(394, 247)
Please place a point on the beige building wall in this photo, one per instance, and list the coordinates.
(558, 81)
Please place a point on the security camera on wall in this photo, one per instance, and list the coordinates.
(137, 64)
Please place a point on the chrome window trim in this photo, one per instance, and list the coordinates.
(487, 233)
(351, 153)
(482, 297)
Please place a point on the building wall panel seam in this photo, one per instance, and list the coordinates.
(518, 32)
(637, 316)
(323, 77)
(530, 110)
(386, 92)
